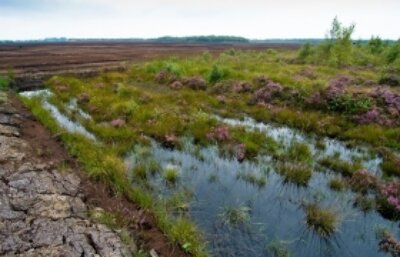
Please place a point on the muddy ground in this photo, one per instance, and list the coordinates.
(32, 63)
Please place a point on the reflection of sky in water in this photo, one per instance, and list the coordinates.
(60, 118)
(276, 212)
(286, 136)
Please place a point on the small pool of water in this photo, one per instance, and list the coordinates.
(275, 215)
(286, 136)
(63, 120)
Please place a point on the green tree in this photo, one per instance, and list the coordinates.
(341, 43)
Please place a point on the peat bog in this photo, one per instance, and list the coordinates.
(247, 153)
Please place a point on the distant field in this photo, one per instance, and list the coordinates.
(56, 57)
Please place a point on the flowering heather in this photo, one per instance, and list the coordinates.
(391, 193)
(336, 88)
(390, 99)
(170, 141)
(261, 80)
(196, 83)
(117, 123)
(264, 95)
(161, 77)
(390, 245)
(240, 152)
(362, 181)
(83, 98)
(241, 87)
(373, 116)
(219, 134)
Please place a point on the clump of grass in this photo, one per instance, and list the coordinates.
(365, 203)
(336, 184)
(323, 221)
(179, 201)
(299, 152)
(235, 215)
(320, 144)
(107, 218)
(278, 249)
(391, 166)
(171, 174)
(252, 178)
(139, 171)
(296, 173)
(153, 166)
(5, 82)
(342, 167)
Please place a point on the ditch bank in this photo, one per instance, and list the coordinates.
(50, 208)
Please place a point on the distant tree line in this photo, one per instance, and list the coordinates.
(202, 39)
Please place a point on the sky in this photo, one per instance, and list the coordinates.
(254, 19)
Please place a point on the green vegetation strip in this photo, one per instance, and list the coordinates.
(105, 165)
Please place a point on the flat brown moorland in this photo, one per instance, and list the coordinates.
(35, 58)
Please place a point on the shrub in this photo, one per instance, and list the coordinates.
(390, 244)
(390, 198)
(196, 83)
(216, 75)
(349, 104)
(305, 52)
(265, 94)
(390, 80)
(219, 134)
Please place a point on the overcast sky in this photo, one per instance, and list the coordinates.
(255, 19)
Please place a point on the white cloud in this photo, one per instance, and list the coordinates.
(151, 18)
